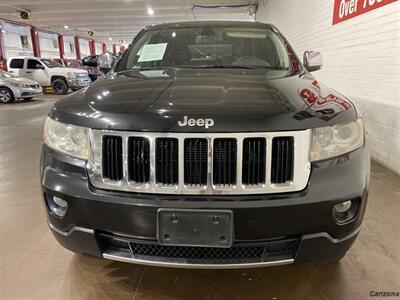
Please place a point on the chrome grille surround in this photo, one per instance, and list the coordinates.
(301, 173)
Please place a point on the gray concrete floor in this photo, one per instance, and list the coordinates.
(34, 266)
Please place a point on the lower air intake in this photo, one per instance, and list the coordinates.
(238, 253)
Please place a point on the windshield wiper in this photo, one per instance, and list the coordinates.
(149, 68)
(236, 67)
(134, 71)
(221, 67)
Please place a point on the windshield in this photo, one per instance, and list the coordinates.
(207, 46)
(74, 63)
(6, 75)
(51, 63)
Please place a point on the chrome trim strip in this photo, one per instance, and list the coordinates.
(71, 231)
(301, 174)
(197, 266)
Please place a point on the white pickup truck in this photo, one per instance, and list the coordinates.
(49, 73)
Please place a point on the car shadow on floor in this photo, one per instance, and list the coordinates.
(18, 102)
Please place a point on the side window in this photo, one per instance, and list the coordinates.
(33, 63)
(17, 63)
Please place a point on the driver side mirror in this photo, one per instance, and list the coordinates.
(312, 61)
(39, 67)
(105, 62)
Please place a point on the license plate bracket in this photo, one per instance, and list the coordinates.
(199, 228)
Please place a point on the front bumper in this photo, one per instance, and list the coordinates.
(319, 247)
(74, 83)
(262, 220)
(26, 92)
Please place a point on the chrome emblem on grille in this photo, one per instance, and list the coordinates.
(196, 122)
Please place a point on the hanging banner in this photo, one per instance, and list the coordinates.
(347, 9)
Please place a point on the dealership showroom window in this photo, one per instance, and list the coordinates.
(200, 149)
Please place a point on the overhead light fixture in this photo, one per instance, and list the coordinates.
(150, 11)
(110, 38)
(66, 26)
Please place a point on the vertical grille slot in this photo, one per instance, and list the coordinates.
(224, 162)
(112, 157)
(196, 162)
(282, 159)
(167, 161)
(138, 159)
(254, 161)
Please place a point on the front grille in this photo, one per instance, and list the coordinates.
(167, 161)
(282, 160)
(254, 161)
(138, 159)
(224, 162)
(82, 75)
(112, 157)
(238, 253)
(197, 163)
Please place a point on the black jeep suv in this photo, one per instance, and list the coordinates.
(209, 145)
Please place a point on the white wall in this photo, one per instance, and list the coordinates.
(49, 45)
(69, 47)
(99, 48)
(16, 40)
(109, 46)
(84, 47)
(361, 60)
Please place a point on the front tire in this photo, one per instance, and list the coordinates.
(60, 87)
(6, 95)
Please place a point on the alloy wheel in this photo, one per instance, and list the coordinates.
(5, 96)
(58, 87)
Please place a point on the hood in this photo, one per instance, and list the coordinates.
(65, 70)
(76, 70)
(236, 101)
(18, 80)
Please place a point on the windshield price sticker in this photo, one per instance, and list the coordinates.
(347, 9)
(152, 52)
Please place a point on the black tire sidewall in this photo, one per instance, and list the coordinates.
(12, 98)
(63, 87)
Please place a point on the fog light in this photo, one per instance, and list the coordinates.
(345, 211)
(57, 205)
(343, 207)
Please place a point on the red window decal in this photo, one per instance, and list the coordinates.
(347, 9)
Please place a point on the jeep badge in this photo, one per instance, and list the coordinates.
(196, 122)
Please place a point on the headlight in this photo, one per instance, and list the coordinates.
(331, 141)
(20, 85)
(71, 75)
(69, 139)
